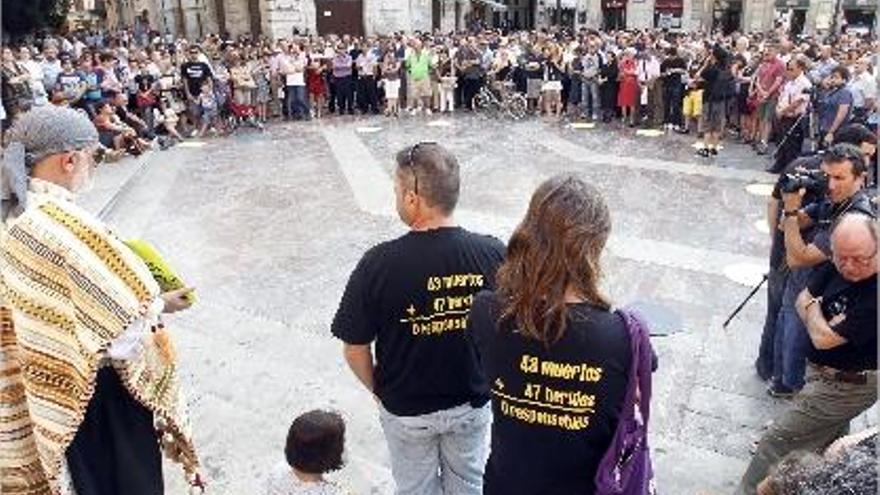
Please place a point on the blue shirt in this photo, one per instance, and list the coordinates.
(829, 104)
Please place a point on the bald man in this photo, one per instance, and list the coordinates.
(839, 309)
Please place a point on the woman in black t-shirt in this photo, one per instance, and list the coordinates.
(556, 357)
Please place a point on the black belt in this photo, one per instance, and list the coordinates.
(844, 376)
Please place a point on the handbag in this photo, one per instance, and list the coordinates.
(626, 469)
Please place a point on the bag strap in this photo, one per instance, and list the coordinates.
(639, 388)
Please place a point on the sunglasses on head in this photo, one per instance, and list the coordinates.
(411, 157)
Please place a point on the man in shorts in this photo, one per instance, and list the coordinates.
(770, 76)
(418, 67)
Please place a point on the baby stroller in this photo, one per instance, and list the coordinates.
(241, 113)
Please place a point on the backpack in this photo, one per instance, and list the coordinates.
(626, 468)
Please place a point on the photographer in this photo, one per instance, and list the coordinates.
(855, 134)
(839, 309)
(806, 241)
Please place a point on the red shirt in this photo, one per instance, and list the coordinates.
(769, 73)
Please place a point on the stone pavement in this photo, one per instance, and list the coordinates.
(268, 226)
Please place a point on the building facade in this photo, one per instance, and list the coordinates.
(282, 18)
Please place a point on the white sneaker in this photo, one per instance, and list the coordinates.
(427, 111)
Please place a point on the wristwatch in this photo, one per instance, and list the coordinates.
(792, 213)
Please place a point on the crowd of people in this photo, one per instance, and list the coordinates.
(753, 87)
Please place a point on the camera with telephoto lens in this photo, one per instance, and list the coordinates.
(814, 181)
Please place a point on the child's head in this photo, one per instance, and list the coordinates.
(315, 442)
(207, 87)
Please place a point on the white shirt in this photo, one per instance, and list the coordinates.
(863, 87)
(294, 66)
(282, 481)
(792, 91)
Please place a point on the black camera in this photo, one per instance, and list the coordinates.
(814, 181)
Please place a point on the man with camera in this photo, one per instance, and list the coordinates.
(839, 309)
(836, 188)
(854, 134)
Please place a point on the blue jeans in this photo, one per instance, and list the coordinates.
(791, 345)
(297, 103)
(590, 98)
(443, 452)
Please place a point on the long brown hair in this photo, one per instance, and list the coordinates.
(557, 245)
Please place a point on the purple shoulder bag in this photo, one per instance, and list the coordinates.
(625, 468)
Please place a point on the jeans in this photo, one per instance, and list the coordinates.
(775, 287)
(443, 452)
(791, 345)
(344, 95)
(297, 103)
(590, 98)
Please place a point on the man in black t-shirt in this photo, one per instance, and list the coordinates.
(194, 73)
(839, 310)
(411, 297)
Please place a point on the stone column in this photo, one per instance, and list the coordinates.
(820, 16)
(594, 14)
(281, 17)
(639, 14)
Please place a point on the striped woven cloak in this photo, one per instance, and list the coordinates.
(69, 288)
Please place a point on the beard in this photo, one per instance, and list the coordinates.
(84, 182)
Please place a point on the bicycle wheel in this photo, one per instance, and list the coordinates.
(517, 106)
(482, 102)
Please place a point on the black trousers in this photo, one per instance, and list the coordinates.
(790, 147)
(470, 88)
(344, 95)
(367, 95)
(116, 449)
(673, 96)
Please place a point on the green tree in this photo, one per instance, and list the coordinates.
(23, 17)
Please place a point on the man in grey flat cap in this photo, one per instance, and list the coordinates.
(87, 370)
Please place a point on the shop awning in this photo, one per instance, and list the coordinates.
(613, 4)
(793, 4)
(493, 5)
(860, 4)
(668, 5)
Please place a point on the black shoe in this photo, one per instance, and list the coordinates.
(713, 151)
(762, 373)
(704, 152)
(780, 391)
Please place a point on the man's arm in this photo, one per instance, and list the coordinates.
(360, 361)
(821, 333)
(842, 111)
(799, 254)
(772, 215)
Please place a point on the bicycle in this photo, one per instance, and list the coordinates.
(510, 103)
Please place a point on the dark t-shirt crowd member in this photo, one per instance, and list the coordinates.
(412, 296)
(195, 74)
(554, 409)
(857, 303)
(556, 357)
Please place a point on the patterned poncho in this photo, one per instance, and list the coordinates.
(70, 288)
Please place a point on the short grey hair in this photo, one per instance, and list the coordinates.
(437, 173)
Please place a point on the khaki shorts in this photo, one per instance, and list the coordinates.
(767, 109)
(419, 89)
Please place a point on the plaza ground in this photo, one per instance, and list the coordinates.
(268, 226)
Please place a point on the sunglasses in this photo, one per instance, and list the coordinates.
(411, 157)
